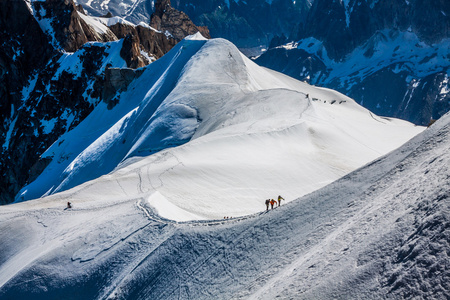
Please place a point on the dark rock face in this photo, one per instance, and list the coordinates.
(156, 44)
(390, 56)
(131, 53)
(153, 42)
(54, 105)
(70, 30)
(117, 80)
(175, 22)
(20, 55)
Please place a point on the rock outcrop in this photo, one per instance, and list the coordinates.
(117, 80)
(154, 43)
(174, 22)
(70, 31)
(131, 52)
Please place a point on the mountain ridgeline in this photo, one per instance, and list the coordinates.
(391, 56)
(56, 65)
(248, 24)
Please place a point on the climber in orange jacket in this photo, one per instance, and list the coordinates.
(272, 202)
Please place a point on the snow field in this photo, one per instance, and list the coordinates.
(355, 238)
(243, 134)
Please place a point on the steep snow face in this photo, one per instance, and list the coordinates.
(244, 134)
(73, 63)
(101, 141)
(100, 25)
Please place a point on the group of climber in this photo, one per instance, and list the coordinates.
(273, 202)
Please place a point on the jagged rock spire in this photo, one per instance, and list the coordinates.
(174, 22)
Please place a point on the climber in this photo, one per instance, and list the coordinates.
(279, 200)
(267, 204)
(272, 202)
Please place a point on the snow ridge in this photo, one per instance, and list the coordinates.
(73, 155)
(205, 116)
(376, 233)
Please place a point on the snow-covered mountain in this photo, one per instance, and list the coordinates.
(379, 232)
(244, 133)
(153, 160)
(390, 56)
(56, 65)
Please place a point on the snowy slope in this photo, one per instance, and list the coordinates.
(246, 134)
(379, 232)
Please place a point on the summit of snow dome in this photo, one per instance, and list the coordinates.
(205, 133)
(196, 36)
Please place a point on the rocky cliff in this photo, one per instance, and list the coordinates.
(152, 41)
(174, 22)
(65, 25)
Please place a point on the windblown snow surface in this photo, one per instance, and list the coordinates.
(380, 232)
(205, 133)
(243, 134)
